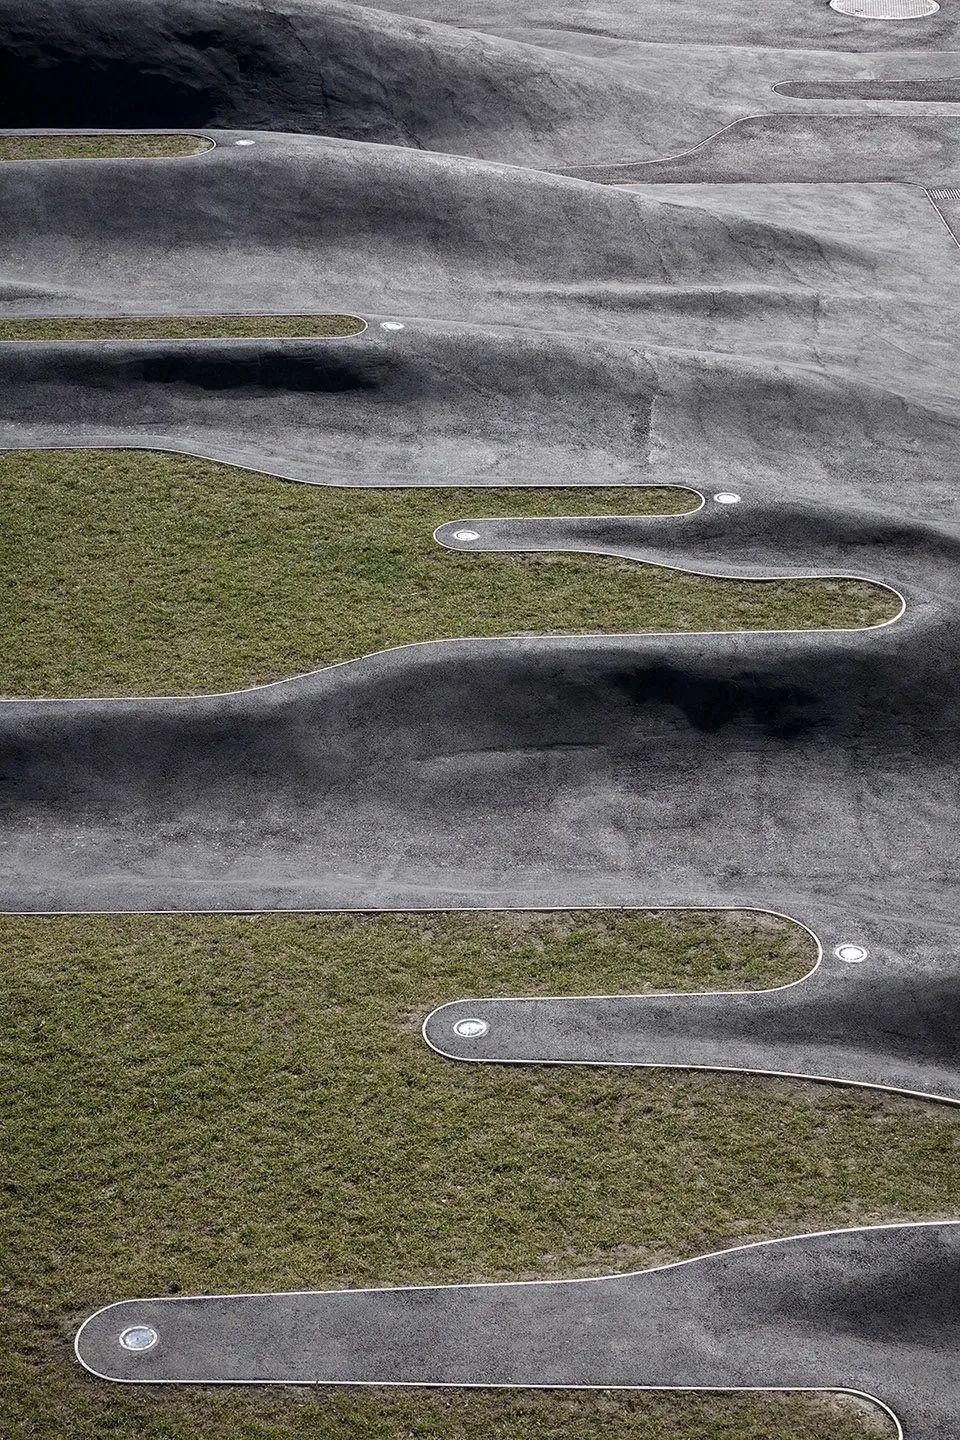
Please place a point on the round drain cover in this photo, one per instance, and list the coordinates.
(886, 9)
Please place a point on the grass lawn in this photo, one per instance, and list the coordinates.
(244, 1103)
(131, 572)
(100, 147)
(178, 327)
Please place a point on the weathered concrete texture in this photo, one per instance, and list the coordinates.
(765, 339)
(527, 85)
(848, 148)
(458, 404)
(772, 311)
(676, 329)
(874, 1311)
(335, 69)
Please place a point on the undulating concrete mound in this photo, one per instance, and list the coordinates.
(870, 1311)
(779, 275)
(489, 405)
(725, 273)
(343, 70)
(402, 225)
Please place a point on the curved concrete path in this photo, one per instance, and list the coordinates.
(875, 1312)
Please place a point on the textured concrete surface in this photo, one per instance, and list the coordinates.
(531, 84)
(756, 297)
(873, 1311)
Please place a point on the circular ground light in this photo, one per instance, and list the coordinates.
(390, 325)
(139, 1338)
(466, 535)
(851, 954)
(727, 497)
(246, 142)
(470, 1029)
(886, 9)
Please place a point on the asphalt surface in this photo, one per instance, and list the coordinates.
(870, 1311)
(618, 254)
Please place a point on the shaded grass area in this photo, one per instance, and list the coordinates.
(242, 1103)
(178, 327)
(142, 573)
(100, 147)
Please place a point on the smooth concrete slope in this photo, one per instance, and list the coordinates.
(295, 222)
(810, 276)
(489, 405)
(875, 1312)
(501, 84)
(321, 68)
(422, 407)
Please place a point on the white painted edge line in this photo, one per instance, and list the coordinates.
(499, 1385)
(882, 19)
(503, 1284)
(170, 340)
(681, 635)
(515, 519)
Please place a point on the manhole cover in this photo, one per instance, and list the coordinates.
(886, 9)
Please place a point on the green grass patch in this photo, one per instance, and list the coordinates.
(100, 147)
(202, 1104)
(179, 327)
(132, 572)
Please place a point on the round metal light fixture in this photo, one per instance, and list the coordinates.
(390, 325)
(245, 142)
(466, 535)
(851, 954)
(727, 497)
(470, 1029)
(139, 1338)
